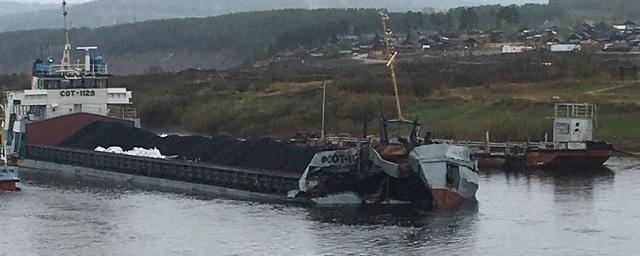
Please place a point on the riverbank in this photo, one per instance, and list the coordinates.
(509, 111)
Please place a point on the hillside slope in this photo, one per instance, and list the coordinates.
(218, 42)
(112, 12)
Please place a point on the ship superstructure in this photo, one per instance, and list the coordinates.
(78, 91)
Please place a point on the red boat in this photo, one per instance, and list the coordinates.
(572, 147)
(9, 178)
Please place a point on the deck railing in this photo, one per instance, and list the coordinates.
(74, 69)
(127, 112)
(573, 110)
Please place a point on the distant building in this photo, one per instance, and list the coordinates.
(472, 43)
(577, 38)
(553, 40)
(496, 36)
(627, 26)
(513, 49)
(566, 48)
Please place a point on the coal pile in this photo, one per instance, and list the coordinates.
(262, 153)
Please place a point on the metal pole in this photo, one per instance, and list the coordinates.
(324, 102)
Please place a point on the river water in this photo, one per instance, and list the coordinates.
(532, 213)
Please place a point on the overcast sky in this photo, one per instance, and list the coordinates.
(45, 1)
(484, 1)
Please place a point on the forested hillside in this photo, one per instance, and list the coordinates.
(218, 42)
(112, 12)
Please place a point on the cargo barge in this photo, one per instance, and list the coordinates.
(219, 180)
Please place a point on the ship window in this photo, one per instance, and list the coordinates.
(53, 84)
(101, 83)
(65, 84)
(90, 83)
(453, 175)
(77, 83)
(577, 124)
(562, 128)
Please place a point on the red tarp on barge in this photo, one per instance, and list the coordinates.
(52, 132)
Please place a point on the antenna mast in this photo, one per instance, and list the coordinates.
(391, 54)
(66, 54)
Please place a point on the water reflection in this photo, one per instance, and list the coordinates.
(397, 229)
(396, 215)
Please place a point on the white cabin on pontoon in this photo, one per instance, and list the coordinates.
(573, 125)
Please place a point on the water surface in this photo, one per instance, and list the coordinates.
(532, 213)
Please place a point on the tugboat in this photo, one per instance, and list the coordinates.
(398, 168)
(64, 97)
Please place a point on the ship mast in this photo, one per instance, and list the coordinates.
(391, 54)
(66, 54)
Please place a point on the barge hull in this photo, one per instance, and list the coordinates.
(52, 132)
(568, 158)
(151, 183)
(236, 183)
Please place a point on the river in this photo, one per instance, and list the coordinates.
(526, 213)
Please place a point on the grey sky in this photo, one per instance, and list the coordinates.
(45, 1)
(478, 1)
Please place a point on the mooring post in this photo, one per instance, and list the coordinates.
(488, 145)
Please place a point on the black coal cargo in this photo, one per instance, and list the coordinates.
(263, 153)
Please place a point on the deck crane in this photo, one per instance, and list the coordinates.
(391, 54)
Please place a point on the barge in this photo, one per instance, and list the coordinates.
(572, 147)
(219, 180)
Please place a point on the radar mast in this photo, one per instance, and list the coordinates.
(66, 54)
